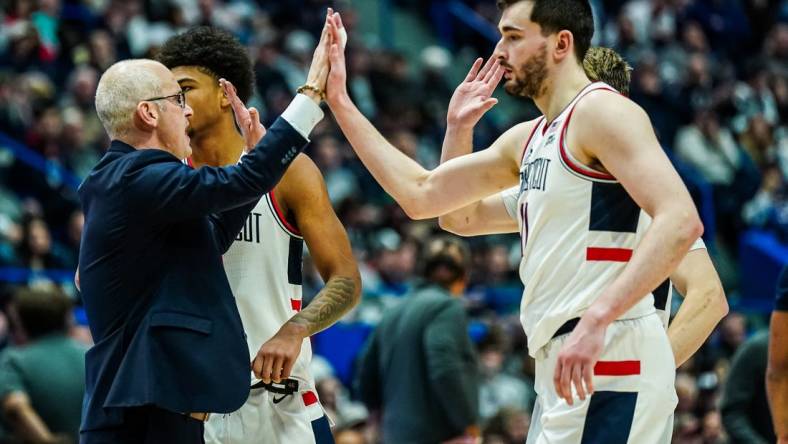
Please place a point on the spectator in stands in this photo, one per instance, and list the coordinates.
(338, 406)
(36, 249)
(348, 436)
(745, 412)
(768, 209)
(42, 381)
(498, 389)
(712, 150)
(510, 426)
(419, 366)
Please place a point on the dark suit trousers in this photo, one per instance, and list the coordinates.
(149, 425)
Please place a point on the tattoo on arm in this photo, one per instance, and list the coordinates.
(333, 301)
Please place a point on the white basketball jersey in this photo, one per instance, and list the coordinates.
(578, 229)
(264, 269)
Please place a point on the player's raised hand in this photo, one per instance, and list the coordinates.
(576, 361)
(318, 70)
(248, 119)
(336, 86)
(274, 361)
(472, 98)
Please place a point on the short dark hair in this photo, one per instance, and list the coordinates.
(214, 51)
(574, 16)
(42, 311)
(445, 259)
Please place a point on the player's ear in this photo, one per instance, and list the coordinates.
(564, 44)
(224, 102)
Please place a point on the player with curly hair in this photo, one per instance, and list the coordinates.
(264, 263)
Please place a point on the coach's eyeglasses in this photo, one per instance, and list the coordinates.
(180, 99)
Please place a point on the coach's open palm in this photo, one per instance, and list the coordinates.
(248, 119)
(274, 361)
(472, 98)
(318, 70)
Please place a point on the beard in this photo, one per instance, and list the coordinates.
(528, 80)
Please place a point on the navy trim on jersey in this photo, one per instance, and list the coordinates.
(322, 430)
(612, 209)
(609, 418)
(294, 261)
(661, 295)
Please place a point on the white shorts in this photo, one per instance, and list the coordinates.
(297, 418)
(634, 391)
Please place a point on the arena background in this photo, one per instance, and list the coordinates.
(712, 75)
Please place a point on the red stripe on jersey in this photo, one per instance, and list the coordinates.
(608, 254)
(530, 136)
(189, 162)
(295, 304)
(309, 398)
(617, 368)
(281, 216)
(574, 165)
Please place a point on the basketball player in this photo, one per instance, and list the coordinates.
(264, 264)
(704, 299)
(587, 307)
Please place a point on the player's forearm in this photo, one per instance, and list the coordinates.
(457, 142)
(701, 311)
(398, 174)
(340, 294)
(665, 243)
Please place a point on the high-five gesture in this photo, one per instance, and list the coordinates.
(472, 98)
(248, 119)
(318, 70)
(336, 86)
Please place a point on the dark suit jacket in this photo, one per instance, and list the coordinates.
(420, 368)
(164, 320)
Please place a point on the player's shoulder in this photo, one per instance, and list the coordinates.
(523, 130)
(302, 181)
(515, 138)
(603, 105)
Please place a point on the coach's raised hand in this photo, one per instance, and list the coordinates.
(315, 85)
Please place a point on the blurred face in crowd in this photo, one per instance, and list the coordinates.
(491, 361)
(350, 437)
(40, 241)
(522, 51)
(203, 95)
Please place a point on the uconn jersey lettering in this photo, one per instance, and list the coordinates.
(534, 175)
(251, 230)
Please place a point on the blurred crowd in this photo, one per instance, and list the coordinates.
(713, 76)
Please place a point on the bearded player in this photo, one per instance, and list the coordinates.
(696, 279)
(604, 364)
(264, 264)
